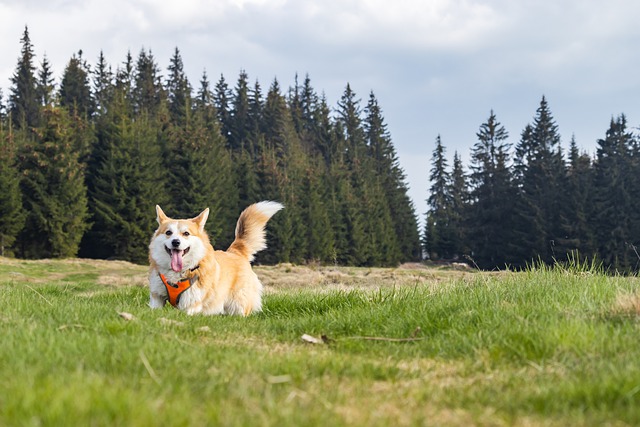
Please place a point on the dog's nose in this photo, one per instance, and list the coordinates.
(175, 243)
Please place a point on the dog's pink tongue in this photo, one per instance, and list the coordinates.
(176, 260)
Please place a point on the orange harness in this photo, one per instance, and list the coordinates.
(175, 290)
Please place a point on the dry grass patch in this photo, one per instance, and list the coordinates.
(627, 304)
(119, 280)
(288, 277)
(102, 272)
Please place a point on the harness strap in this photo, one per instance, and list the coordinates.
(175, 290)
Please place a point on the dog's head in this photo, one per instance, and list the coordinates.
(179, 244)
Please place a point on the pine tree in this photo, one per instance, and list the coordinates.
(76, 97)
(614, 198)
(45, 84)
(178, 90)
(240, 124)
(320, 245)
(54, 191)
(127, 181)
(438, 240)
(542, 173)
(393, 182)
(379, 228)
(271, 180)
(324, 131)
(75, 90)
(276, 122)
(578, 232)
(103, 85)
(459, 204)
(23, 99)
(256, 119)
(124, 81)
(349, 114)
(294, 102)
(12, 214)
(309, 106)
(222, 102)
(348, 222)
(245, 159)
(490, 214)
(204, 96)
(314, 122)
(227, 186)
(279, 170)
(201, 171)
(352, 148)
(147, 92)
(528, 229)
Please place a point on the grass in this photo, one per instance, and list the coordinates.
(543, 347)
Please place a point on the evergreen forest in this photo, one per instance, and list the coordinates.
(533, 203)
(84, 160)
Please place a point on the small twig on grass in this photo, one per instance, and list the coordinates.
(148, 367)
(413, 337)
(385, 339)
(41, 296)
(326, 340)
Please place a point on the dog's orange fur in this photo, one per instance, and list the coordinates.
(225, 281)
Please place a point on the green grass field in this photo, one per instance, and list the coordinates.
(545, 347)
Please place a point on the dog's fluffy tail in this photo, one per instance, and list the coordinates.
(250, 234)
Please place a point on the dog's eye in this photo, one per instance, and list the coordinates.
(169, 233)
(186, 234)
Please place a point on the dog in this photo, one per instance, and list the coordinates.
(188, 273)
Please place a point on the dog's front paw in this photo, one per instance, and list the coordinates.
(156, 301)
(193, 309)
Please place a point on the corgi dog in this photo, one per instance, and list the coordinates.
(188, 273)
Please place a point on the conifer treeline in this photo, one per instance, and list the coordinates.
(530, 202)
(84, 161)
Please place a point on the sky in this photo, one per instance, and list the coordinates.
(437, 67)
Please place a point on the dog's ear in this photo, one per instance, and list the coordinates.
(161, 217)
(201, 219)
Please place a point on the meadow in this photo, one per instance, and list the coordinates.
(413, 345)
